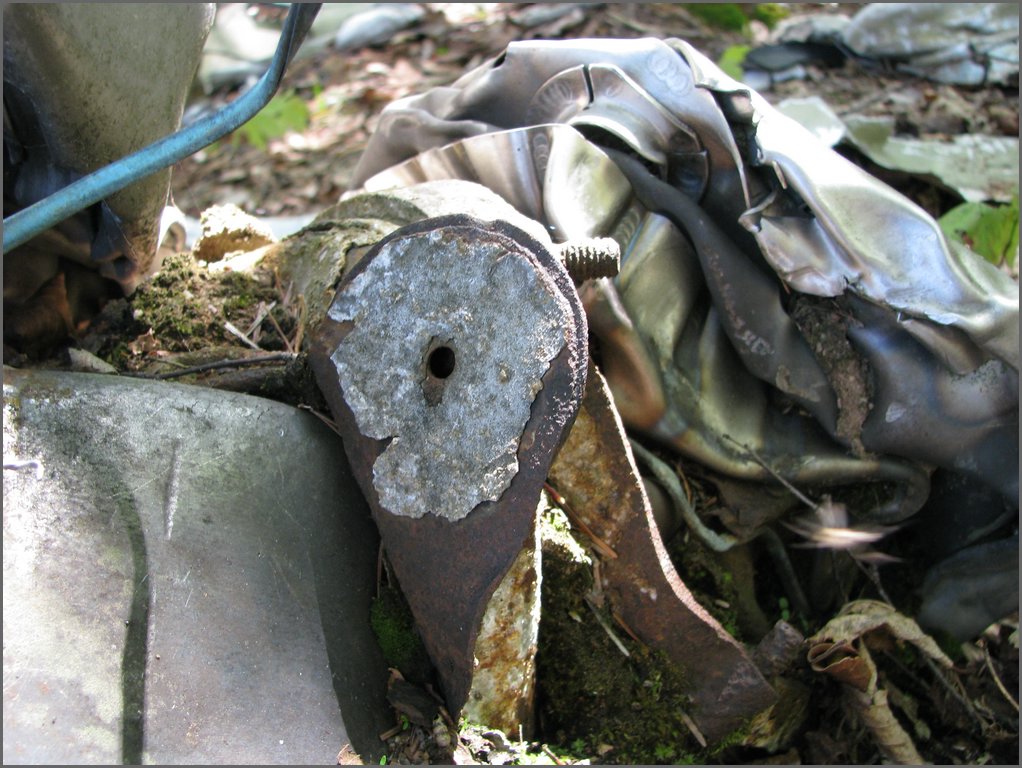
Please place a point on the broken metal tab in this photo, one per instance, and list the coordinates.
(596, 474)
(453, 358)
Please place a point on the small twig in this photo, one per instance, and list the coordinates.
(601, 546)
(831, 529)
(596, 593)
(628, 630)
(261, 314)
(860, 104)
(762, 462)
(276, 357)
(997, 680)
(607, 628)
(325, 419)
(647, 29)
(446, 715)
(956, 695)
(287, 344)
(718, 542)
(684, 481)
(549, 753)
(693, 727)
(775, 548)
(300, 332)
(232, 329)
(18, 464)
(872, 573)
(391, 732)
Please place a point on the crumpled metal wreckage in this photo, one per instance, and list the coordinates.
(743, 238)
(779, 315)
(778, 312)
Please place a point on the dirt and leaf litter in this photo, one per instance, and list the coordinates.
(865, 687)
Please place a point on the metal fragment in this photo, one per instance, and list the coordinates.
(455, 520)
(597, 475)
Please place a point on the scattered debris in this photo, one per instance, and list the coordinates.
(304, 172)
(978, 168)
(949, 42)
(226, 230)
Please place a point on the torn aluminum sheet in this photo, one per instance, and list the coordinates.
(977, 167)
(962, 43)
(774, 220)
(776, 304)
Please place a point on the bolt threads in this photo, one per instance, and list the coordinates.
(591, 257)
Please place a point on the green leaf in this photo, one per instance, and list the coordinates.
(284, 112)
(732, 59)
(991, 231)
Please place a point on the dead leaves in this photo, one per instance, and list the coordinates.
(861, 617)
(841, 650)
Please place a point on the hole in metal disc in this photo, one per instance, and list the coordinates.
(441, 362)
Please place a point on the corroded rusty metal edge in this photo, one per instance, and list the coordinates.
(596, 473)
(449, 570)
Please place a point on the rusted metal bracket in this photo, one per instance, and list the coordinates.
(453, 358)
(596, 474)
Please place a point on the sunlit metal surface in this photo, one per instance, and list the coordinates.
(727, 214)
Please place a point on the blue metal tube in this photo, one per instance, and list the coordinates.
(29, 222)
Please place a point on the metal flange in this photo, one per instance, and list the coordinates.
(453, 357)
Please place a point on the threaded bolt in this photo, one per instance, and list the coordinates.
(591, 257)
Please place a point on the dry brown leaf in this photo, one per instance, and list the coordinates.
(841, 650)
(893, 741)
(860, 617)
(842, 662)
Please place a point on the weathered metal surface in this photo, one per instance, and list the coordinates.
(449, 564)
(451, 390)
(187, 579)
(504, 679)
(106, 63)
(794, 218)
(596, 474)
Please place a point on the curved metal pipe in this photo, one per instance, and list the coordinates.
(37, 218)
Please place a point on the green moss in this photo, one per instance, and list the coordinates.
(711, 583)
(186, 307)
(720, 15)
(770, 13)
(394, 627)
(590, 693)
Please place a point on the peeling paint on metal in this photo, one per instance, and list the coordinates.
(453, 433)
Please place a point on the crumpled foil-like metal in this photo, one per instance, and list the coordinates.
(726, 211)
